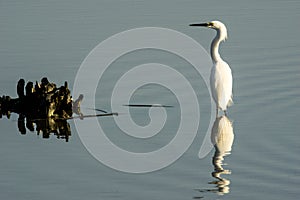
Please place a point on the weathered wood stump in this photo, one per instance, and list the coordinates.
(42, 104)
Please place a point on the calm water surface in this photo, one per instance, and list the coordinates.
(41, 38)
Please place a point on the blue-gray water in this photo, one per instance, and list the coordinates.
(52, 38)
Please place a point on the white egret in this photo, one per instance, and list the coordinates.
(221, 76)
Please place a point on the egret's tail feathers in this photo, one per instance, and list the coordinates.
(224, 104)
(230, 102)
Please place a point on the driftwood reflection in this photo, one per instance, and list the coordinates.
(58, 127)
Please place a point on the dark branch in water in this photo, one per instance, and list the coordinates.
(148, 105)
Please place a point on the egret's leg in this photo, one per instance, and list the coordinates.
(225, 112)
(217, 112)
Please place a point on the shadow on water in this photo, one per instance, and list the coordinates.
(222, 137)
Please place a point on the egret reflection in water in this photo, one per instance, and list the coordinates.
(222, 137)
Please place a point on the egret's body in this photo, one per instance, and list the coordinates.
(221, 76)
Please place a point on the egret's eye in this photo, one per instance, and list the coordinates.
(210, 24)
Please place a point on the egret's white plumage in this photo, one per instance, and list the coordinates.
(221, 76)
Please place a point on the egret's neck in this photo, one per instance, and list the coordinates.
(214, 48)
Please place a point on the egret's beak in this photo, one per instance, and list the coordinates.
(202, 24)
(209, 24)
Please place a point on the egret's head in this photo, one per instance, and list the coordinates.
(217, 25)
